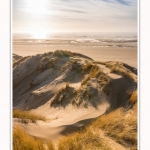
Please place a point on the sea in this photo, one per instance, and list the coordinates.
(96, 39)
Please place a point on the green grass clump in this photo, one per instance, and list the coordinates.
(26, 115)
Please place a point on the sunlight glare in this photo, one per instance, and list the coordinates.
(39, 34)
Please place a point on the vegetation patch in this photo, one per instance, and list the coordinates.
(103, 80)
(24, 141)
(81, 96)
(62, 95)
(85, 140)
(123, 69)
(132, 96)
(27, 116)
(93, 71)
(121, 125)
(47, 63)
(20, 61)
(60, 53)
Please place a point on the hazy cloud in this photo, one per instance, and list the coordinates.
(100, 15)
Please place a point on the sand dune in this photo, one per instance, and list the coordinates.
(69, 89)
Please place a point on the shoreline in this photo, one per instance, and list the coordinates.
(126, 55)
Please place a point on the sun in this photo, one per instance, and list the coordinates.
(39, 34)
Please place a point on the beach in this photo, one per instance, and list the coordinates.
(71, 82)
(104, 50)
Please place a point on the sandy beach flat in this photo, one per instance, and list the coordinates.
(126, 55)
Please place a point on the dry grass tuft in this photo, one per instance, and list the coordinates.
(87, 67)
(98, 62)
(126, 73)
(122, 69)
(50, 145)
(25, 116)
(85, 80)
(23, 141)
(93, 72)
(62, 95)
(46, 63)
(81, 97)
(92, 69)
(121, 125)
(85, 140)
(133, 98)
(20, 61)
(83, 56)
(60, 53)
(63, 89)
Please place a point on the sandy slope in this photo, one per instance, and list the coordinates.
(36, 79)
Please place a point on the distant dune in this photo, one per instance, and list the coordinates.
(69, 89)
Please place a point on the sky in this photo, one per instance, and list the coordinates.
(51, 16)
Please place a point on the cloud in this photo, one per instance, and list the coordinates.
(124, 2)
(71, 10)
(86, 14)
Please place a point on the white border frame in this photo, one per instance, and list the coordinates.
(6, 69)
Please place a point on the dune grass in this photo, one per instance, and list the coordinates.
(25, 116)
(60, 53)
(85, 140)
(92, 70)
(121, 125)
(126, 73)
(46, 63)
(133, 98)
(60, 95)
(23, 141)
(122, 69)
(50, 145)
